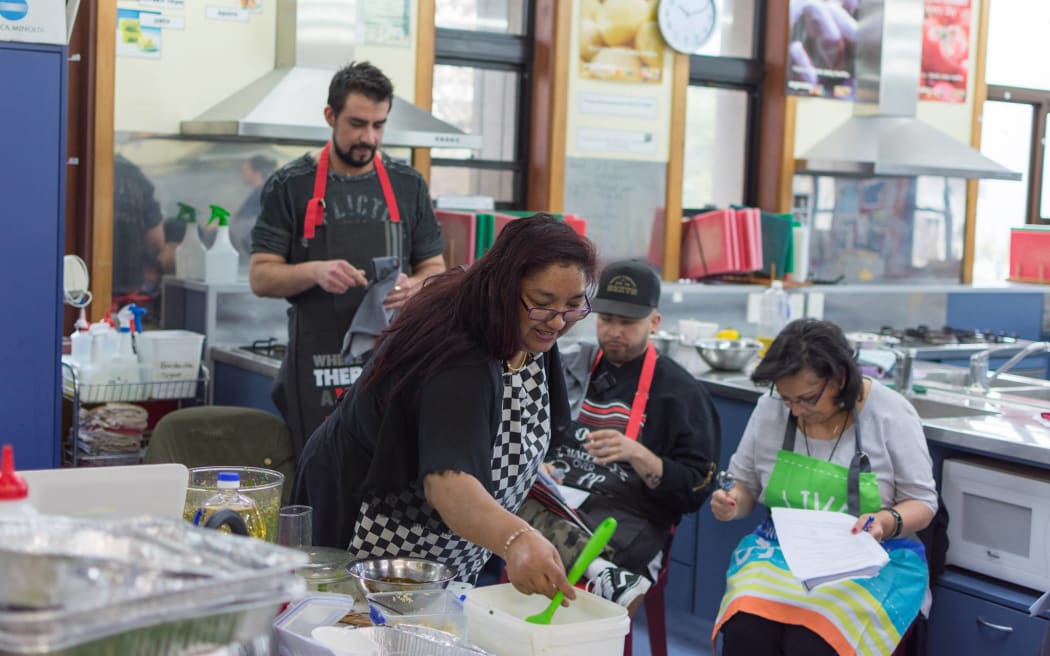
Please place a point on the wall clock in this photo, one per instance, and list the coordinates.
(686, 25)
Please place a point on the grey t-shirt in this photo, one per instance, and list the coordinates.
(358, 197)
(891, 435)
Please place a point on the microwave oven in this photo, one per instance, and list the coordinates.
(998, 519)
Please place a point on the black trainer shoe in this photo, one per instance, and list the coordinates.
(619, 585)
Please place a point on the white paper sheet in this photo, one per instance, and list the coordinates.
(819, 547)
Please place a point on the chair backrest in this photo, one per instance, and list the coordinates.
(209, 436)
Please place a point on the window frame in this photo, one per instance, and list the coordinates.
(1040, 103)
(499, 52)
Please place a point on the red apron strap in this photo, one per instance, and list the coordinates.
(388, 191)
(641, 395)
(315, 206)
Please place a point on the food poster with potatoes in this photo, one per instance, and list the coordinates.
(822, 47)
(138, 33)
(620, 40)
(945, 50)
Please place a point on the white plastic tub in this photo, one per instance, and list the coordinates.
(589, 625)
(171, 362)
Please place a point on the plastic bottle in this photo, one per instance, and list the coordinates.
(80, 340)
(14, 493)
(189, 254)
(124, 365)
(222, 259)
(228, 497)
(773, 314)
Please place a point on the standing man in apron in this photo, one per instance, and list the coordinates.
(646, 443)
(324, 217)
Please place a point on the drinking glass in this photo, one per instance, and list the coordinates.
(295, 526)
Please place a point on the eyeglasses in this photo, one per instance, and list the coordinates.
(805, 402)
(543, 314)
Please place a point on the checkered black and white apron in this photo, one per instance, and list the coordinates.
(406, 525)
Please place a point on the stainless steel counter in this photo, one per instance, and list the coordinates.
(259, 364)
(1000, 423)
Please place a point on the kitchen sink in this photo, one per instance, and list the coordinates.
(961, 378)
(931, 409)
(1034, 393)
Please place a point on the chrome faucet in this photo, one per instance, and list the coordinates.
(979, 375)
(902, 368)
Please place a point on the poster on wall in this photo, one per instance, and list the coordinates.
(138, 33)
(822, 47)
(385, 23)
(945, 50)
(620, 40)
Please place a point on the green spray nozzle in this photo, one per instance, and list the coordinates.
(187, 213)
(220, 213)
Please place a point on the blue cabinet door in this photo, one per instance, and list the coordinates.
(32, 183)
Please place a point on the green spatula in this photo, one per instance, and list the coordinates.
(590, 551)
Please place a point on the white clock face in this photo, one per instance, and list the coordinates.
(686, 25)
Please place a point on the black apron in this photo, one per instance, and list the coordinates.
(313, 375)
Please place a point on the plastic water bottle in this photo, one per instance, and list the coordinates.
(80, 340)
(773, 314)
(14, 493)
(189, 254)
(229, 498)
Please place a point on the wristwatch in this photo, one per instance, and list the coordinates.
(898, 522)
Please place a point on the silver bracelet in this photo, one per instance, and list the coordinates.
(514, 536)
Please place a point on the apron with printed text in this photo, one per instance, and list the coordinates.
(313, 375)
(855, 616)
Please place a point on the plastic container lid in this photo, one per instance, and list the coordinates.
(227, 480)
(12, 486)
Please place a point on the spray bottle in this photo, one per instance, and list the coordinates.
(124, 366)
(80, 340)
(189, 255)
(220, 263)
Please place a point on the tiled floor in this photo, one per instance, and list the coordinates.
(685, 637)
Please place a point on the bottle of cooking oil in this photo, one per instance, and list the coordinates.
(228, 498)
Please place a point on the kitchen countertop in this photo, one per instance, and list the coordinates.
(1015, 432)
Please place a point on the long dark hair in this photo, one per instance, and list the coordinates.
(477, 308)
(816, 345)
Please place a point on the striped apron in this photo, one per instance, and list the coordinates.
(856, 616)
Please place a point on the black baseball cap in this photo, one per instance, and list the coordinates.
(629, 288)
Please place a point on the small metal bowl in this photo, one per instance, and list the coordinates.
(727, 354)
(399, 574)
(666, 343)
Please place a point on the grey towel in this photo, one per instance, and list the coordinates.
(371, 317)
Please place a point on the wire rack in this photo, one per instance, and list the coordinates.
(76, 452)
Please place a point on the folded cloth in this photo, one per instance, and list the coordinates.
(371, 317)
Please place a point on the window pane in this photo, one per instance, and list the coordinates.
(463, 181)
(1013, 27)
(507, 16)
(1006, 135)
(735, 34)
(1044, 203)
(715, 139)
(478, 101)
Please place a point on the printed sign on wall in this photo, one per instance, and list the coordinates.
(138, 34)
(822, 48)
(945, 50)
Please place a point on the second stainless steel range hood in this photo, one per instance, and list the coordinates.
(883, 137)
(287, 104)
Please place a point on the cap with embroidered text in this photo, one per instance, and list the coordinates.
(628, 288)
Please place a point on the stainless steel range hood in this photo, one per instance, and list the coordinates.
(883, 137)
(287, 104)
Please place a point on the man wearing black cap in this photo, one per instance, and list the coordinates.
(646, 444)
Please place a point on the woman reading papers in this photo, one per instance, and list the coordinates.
(825, 438)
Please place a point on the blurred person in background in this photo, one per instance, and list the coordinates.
(254, 173)
(138, 237)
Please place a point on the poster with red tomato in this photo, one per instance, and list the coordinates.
(945, 50)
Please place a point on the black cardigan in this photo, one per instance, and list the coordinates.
(363, 448)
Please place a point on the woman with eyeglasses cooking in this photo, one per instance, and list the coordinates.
(825, 438)
(436, 446)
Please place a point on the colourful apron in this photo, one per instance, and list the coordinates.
(313, 375)
(857, 616)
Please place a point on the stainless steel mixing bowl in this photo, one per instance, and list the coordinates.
(727, 354)
(397, 574)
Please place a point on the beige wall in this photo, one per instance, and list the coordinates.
(207, 60)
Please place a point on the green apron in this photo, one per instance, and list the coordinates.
(856, 616)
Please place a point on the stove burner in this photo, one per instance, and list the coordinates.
(924, 335)
(268, 347)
